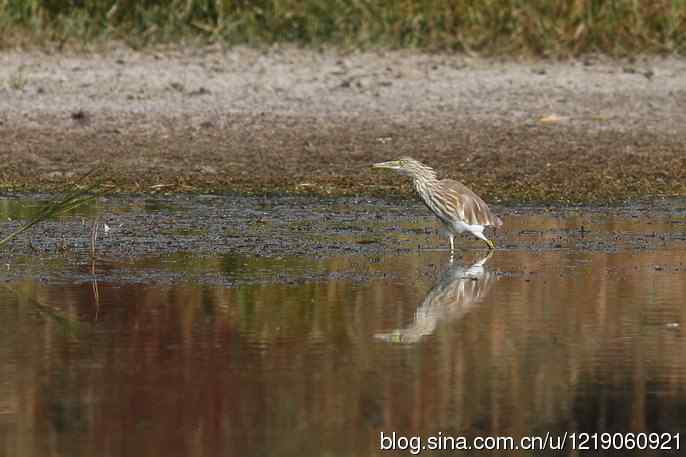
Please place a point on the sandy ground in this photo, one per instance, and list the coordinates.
(295, 120)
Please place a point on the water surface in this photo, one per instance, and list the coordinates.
(561, 330)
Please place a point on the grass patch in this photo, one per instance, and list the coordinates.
(535, 27)
(77, 196)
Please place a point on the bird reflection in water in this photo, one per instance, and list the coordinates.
(459, 290)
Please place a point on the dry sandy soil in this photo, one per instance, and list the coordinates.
(288, 119)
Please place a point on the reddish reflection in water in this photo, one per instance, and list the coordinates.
(552, 341)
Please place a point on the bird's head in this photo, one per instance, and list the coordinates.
(406, 166)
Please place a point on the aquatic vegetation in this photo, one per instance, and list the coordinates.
(76, 197)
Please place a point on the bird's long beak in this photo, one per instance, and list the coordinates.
(391, 164)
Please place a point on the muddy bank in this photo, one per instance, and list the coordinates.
(291, 120)
(151, 238)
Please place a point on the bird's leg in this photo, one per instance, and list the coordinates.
(482, 262)
(452, 243)
(491, 245)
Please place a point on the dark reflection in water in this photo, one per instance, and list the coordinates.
(522, 343)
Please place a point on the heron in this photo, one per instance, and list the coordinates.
(457, 207)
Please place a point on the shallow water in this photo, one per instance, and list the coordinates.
(180, 354)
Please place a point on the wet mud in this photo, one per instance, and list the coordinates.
(184, 229)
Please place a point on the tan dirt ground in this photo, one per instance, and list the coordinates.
(295, 120)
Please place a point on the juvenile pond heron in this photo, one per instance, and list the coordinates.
(456, 206)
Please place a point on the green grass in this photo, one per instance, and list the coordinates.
(78, 195)
(537, 27)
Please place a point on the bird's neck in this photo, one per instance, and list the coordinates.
(427, 175)
(423, 183)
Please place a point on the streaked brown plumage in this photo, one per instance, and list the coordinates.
(456, 206)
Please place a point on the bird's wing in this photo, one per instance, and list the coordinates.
(469, 206)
